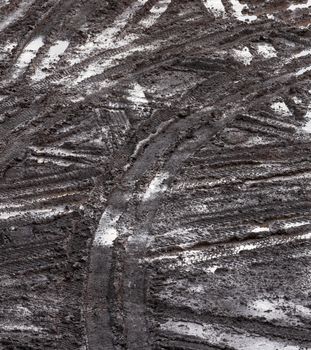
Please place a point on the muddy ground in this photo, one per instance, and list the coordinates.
(155, 174)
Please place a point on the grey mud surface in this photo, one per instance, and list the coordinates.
(155, 175)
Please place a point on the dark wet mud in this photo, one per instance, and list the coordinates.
(155, 175)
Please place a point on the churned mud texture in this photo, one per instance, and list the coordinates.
(155, 174)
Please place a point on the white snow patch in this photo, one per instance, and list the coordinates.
(191, 257)
(92, 70)
(53, 56)
(12, 17)
(297, 100)
(155, 13)
(211, 269)
(108, 39)
(255, 140)
(10, 46)
(303, 71)
(296, 224)
(156, 186)
(55, 151)
(260, 229)
(273, 311)
(294, 7)
(137, 95)
(266, 50)
(4, 52)
(302, 53)
(270, 16)
(281, 108)
(107, 229)
(216, 6)
(219, 335)
(38, 213)
(278, 310)
(28, 54)
(267, 309)
(59, 162)
(243, 55)
(238, 9)
(99, 67)
(245, 247)
(20, 327)
(77, 99)
(58, 49)
(6, 49)
(307, 127)
(282, 178)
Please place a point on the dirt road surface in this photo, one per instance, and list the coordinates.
(155, 175)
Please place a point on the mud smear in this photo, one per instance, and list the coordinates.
(155, 166)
